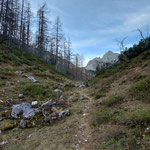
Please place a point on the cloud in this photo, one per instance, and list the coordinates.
(94, 25)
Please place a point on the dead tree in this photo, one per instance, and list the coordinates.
(141, 33)
(28, 12)
(68, 55)
(121, 43)
(42, 29)
(21, 22)
(58, 36)
(1, 15)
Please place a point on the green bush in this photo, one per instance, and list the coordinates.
(103, 117)
(141, 90)
(115, 99)
(141, 117)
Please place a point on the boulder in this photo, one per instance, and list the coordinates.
(24, 108)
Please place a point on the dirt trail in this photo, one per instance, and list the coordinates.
(84, 133)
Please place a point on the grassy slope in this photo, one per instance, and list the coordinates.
(121, 107)
(11, 85)
(12, 60)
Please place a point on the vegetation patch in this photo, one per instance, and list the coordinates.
(115, 99)
(6, 125)
(140, 118)
(35, 90)
(141, 90)
(103, 117)
(103, 88)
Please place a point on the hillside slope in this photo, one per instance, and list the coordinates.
(120, 113)
(25, 78)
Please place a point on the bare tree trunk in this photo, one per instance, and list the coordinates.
(21, 24)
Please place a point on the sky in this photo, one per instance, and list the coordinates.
(94, 25)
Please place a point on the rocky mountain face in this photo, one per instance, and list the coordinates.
(109, 57)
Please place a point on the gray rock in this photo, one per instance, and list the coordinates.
(58, 91)
(64, 113)
(30, 136)
(52, 116)
(61, 97)
(71, 97)
(81, 98)
(81, 85)
(4, 142)
(19, 72)
(28, 112)
(33, 79)
(23, 124)
(21, 96)
(10, 101)
(34, 103)
(1, 101)
(47, 104)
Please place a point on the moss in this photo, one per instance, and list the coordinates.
(115, 99)
(6, 125)
(141, 90)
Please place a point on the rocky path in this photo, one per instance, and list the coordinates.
(83, 133)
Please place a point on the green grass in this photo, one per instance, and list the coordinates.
(103, 117)
(17, 57)
(139, 118)
(2, 83)
(141, 90)
(103, 87)
(115, 99)
(35, 90)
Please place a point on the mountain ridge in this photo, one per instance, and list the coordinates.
(108, 57)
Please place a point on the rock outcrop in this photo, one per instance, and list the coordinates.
(109, 57)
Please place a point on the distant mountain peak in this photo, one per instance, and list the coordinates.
(109, 57)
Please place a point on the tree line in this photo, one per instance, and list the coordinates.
(16, 24)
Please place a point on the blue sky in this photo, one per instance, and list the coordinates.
(94, 25)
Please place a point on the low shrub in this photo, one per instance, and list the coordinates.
(139, 118)
(141, 90)
(115, 99)
(35, 90)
